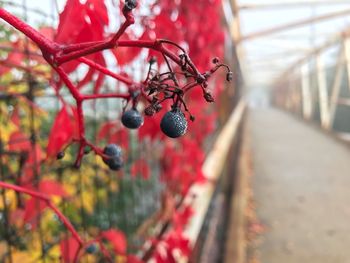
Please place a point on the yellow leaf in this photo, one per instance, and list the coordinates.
(10, 199)
(20, 256)
(88, 201)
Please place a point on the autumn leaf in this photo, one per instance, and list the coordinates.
(117, 239)
(33, 208)
(140, 167)
(69, 249)
(62, 132)
(51, 187)
(125, 55)
(133, 259)
(113, 132)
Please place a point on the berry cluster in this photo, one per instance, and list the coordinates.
(113, 157)
(180, 78)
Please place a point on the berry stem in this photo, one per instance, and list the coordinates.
(46, 45)
(106, 96)
(47, 200)
(106, 71)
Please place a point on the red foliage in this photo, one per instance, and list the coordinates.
(181, 217)
(196, 24)
(133, 259)
(173, 240)
(51, 187)
(140, 167)
(62, 132)
(86, 25)
(20, 143)
(14, 58)
(33, 207)
(151, 129)
(126, 55)
(188, 158)
(112, 132)
(117, 239)
(69, 249)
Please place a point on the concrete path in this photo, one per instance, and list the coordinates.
(302, 190)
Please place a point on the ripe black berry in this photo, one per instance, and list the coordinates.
(87, 149)
(215, 60)
(132, 119)
(91, 249)
(174, 123)
(114, 161)
(60, 155)
(208, 97)
(229, 76)
(130, 4)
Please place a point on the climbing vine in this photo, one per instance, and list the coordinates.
(172, 86)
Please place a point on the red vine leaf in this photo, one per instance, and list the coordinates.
(117, 239)
(69, 249)
(112, 132)
(33, 208)
(62, 132)
(125, 55)
(14, 58)
(140, 167)
(51, 187)
(133, 259)
(19, 142)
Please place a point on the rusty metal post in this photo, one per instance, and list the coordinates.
(339, 72)
(306, 91)
(322, 91)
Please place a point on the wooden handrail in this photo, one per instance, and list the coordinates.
(212, 169)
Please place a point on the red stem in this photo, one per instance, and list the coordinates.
(49, 203)
(106, 96)
(44, 43)
(83, 52)
(106, 71)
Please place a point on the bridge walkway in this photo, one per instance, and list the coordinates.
(301, 187)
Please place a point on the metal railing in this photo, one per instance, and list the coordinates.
(318, 92)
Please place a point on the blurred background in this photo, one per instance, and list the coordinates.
(261, 175)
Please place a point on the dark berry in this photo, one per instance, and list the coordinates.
(150, 111)
(174, 123)
(114, 161)
(132, 119)
(229, 76)
(91, 249)
(130, 4)
(152, 60)
(87, 149)
(215, 60)
(60, 155)
(208, 97)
